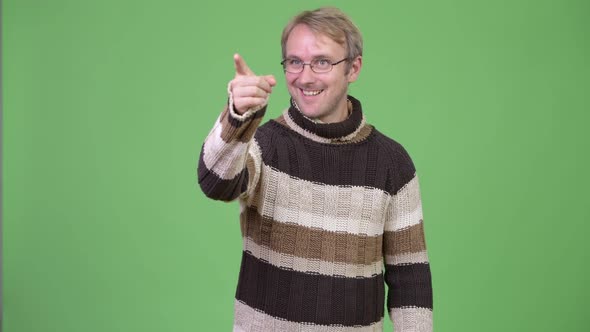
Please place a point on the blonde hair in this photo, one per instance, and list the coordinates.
(332, 22)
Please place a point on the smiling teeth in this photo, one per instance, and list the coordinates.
(312, 93)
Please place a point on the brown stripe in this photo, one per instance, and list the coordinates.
(242, 133)
(313, 244)
(365, 131)
(315, 266)
(310, 298)
(281, 120)
(408, 240)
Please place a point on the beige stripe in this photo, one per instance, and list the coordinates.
(405, 208)
(407, 240)
(340, 209)
(408, 258)
(314, 137)
(315, 266)
(224, 159)
(412, 319)
(362, 134)
(310, 243)
(253, 165)
(248, 319)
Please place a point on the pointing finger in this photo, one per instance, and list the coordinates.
(241, 66)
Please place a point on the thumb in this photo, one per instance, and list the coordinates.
(270, 79)
(241, 66)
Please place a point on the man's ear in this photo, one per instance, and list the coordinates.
(355, 69)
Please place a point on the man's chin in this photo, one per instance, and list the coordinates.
(310, 114)
(309, 111)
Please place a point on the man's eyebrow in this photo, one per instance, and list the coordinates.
(319, 56)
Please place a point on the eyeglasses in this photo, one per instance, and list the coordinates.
(295, 66)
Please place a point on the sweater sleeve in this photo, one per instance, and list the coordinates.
(230, 157)
(407, 268)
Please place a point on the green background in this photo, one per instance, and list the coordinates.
(106, 105)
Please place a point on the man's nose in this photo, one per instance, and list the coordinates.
(307, 75)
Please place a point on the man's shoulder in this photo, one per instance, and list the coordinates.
(267, 129)
(269, 134)
(392, 146)
(399, 163)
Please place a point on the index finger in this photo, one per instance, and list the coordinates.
(241, 66)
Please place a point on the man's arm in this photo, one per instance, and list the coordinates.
(407, 269)
(227, 160)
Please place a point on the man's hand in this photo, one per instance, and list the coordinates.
(249, 90)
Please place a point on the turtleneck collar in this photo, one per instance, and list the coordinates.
(338, 132)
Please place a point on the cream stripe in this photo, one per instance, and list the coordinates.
(406, 207)
(247, 319)
(350, 209)
(412, 319)
(238, 329)
(314, 266)
(255, 156)
(407, 258)
(224, 159)
(317, 138)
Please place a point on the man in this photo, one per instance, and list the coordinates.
(330, 207)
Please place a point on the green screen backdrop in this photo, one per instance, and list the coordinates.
(106, 105)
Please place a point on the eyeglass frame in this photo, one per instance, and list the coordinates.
(311, 66)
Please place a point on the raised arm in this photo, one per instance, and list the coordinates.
(227, 163)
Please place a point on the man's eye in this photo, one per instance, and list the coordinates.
(323, 62)
(294, 62)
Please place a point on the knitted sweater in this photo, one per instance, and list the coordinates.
(330, 213)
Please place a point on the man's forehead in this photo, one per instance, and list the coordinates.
(311, 55)
(314, 56)
(321, 46)
(318, 34)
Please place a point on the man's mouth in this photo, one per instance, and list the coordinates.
(311, 92)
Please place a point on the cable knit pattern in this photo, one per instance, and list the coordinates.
(330, 214)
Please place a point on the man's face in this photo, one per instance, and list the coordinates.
(319, 96)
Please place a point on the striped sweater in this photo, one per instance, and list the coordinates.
(330, 214)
